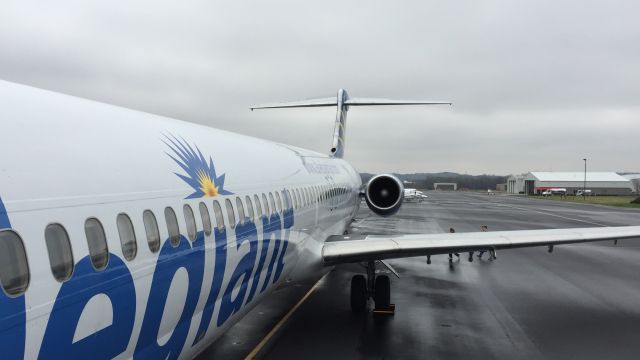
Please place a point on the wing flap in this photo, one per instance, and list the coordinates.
(349, 249)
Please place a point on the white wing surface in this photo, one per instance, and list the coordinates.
(349, 249)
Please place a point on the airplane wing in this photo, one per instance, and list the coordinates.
(348, 249)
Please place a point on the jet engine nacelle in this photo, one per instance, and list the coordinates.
(384, 194)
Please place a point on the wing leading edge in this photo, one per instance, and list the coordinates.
(349, 249)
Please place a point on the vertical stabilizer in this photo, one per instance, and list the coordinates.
(337, 144)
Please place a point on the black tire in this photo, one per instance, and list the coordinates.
(382, 295)
(358, 293)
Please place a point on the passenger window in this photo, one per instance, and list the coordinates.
(97, 241)
(301, 198)
(272, 203)
(14, 269)
(247, 199)
(190, 219)
(217, 211)
(230, 214)
(172, 226)
(127, 237)
(294, 200)
(59, 250)
(256, 200)
(240, 210)
(289, 199)
(278, 202)
(265, 203)
(285, 201)
(151, 227)
(206, 220)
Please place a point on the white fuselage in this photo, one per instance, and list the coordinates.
(64, 160)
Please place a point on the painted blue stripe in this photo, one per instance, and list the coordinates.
(12, 313)
(4, 218)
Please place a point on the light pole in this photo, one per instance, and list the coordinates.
(584, 184)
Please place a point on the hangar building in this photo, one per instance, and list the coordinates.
(445, 186)
(600, 183)
(515, 184)
(635, 181)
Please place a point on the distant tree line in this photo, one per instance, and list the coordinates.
(465, 182)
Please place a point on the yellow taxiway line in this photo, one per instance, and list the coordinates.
(282, 321)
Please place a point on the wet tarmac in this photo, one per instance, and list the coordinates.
(580, 302)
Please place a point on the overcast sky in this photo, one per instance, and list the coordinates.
(536, 85)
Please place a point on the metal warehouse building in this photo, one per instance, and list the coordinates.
(515, 184)
(600, 183)
(635, 181)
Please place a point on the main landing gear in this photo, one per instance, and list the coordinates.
(376, 287)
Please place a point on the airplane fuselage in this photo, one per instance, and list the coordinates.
(236, 217)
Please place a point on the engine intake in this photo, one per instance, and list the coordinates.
(384, 194)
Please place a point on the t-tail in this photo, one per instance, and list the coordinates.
(343, 102)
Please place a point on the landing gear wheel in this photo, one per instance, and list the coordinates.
(358, 293)
(382, 295)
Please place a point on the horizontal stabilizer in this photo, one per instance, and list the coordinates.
(299, 104)
(377, 102)
(351, 102)
(342, 102)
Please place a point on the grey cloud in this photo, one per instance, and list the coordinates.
(536, 85)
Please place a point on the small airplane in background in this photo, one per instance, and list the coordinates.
(130, 235)
(414, 195)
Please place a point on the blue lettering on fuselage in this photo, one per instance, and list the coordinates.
(12, 312)
(245, 232)
(191, 258)
(117, 284)
(271, 229)
(220, 236)
(287, 222)
(266, 240)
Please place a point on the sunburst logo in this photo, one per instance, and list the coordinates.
(200, 174)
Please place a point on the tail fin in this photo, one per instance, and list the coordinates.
(342, 102)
